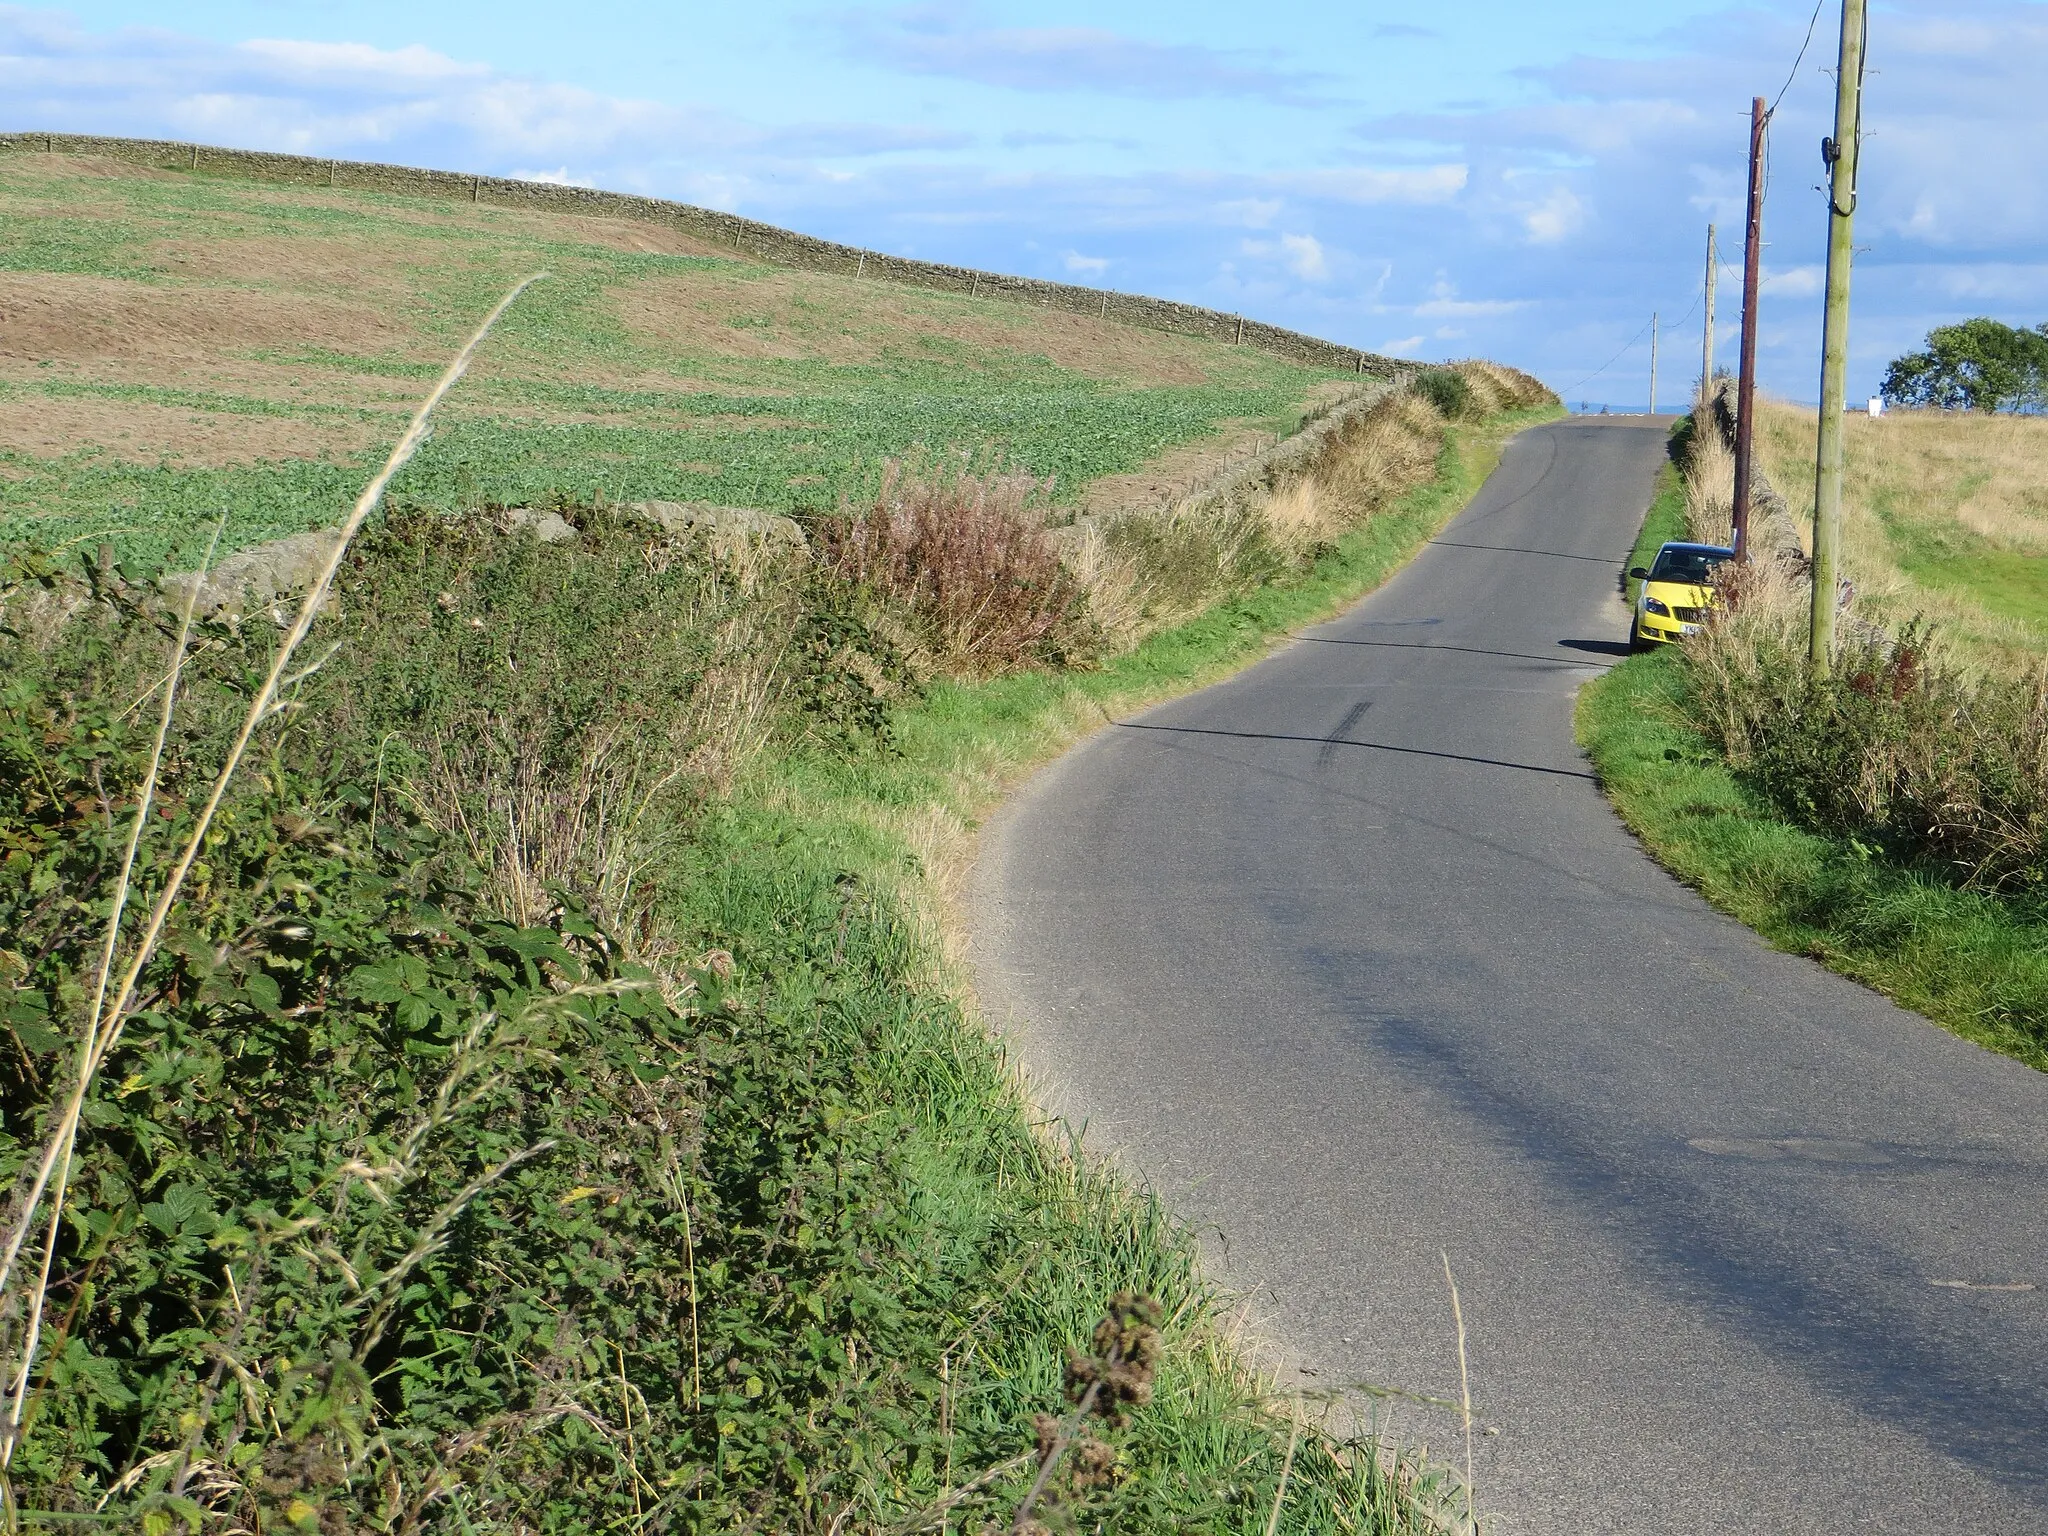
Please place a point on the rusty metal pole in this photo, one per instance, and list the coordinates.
(1745, 394)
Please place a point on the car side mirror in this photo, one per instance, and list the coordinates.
(1639, 574)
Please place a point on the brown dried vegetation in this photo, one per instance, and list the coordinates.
(966, 551)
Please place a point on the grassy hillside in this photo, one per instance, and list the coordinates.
(549, 1107)
(1944, 515)
(173, 345)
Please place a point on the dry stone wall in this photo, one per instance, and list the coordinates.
(744, 237)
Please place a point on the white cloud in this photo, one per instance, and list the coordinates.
(927, 40)
(1089, 266)
(1556, 218)
(1304, 257)
(557, 178)
(1443, 303)
(1793, 282)
(1422, 184)
(413, 103)
(327, 63)
(1404, 344)
(1568, 216)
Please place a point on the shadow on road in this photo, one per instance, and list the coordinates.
(1328, 742)
(1469, 650)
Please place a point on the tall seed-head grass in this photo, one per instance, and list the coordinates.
(576, 703)
(1709, 489)
(1493, 388)
(103, 1030)
(1163, 565)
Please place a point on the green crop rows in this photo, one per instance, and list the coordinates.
(570, 398)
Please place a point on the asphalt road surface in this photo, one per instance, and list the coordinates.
(1348, 957)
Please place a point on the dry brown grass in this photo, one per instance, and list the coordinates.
(62, 315)
(1986, 473)
(1710, 490)
(965, 549)
(136, 432)
(1495, 387)
(1384, 454)
(1157, 565)
(1932, 474)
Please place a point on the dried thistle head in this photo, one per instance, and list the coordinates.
(1126, 1359)
(1094, 1464)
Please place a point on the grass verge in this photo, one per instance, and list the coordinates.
(1973, 962)
(1211, 1453)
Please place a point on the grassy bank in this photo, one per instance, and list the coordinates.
(1972, 961)
(551, 1107)
(1888, 823)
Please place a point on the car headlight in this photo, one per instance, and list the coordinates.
(1656, 606)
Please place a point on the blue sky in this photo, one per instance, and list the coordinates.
(1520, 181)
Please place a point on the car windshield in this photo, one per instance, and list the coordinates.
(1688, 565)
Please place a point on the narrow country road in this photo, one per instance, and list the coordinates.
(1350, 960)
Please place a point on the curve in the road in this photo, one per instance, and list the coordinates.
(1348, 957)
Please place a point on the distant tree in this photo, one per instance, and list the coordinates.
(1977, 365)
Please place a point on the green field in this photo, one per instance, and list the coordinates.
(185, 345)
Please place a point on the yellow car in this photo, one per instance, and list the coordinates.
(1675, 594)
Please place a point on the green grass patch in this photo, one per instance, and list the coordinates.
(783, 391)
(1974, 963)
(809, 451)
(1949, 556)
(1665, 524)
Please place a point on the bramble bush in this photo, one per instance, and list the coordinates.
(391, 1214)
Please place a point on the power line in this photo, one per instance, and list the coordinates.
(1813, 22)
(1698, 294)
(1589, 378)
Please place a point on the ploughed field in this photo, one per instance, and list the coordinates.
(174, 345)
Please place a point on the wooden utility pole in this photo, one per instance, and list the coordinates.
(1839, 154)
(1707, 339)
(1745, 389)
(1653, 362)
